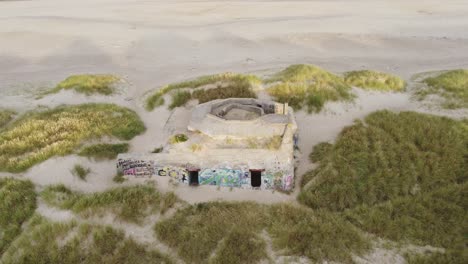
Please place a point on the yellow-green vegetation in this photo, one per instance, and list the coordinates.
(308, 86)
(398, 176)
(129, 204)
(235, 90)
(374, 80)
(44, 241)
(80, 171)
(180, 98)
(6, 116)
(178, 138)
(17, 205)
(451, 85)
(37, 136)
(104, 151)
(225, 229)
(88, 84)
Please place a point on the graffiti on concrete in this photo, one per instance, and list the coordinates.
(177, 173)
(223, 177)
(136, 167)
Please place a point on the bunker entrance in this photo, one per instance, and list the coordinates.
(193, 178)
(256, 178)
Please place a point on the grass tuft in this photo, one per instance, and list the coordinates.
(17, 205)
(178, 138)
(88, 84)
(37, 136)
(104, 151)
(180, 99)
(119, 178)
(47, 242)
(374, 80)
(129, 204)
(80, 171)
(308, 86)
(450, 85)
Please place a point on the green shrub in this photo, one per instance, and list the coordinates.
(37, 136)
(88, 84)
(157, 99)
(17, 205)
(80, 171)
(130, 204)
(180, 98)
(389, 156)
(451, 85)
(5, 116)
(178, 138)
(374, 80)
(307, 85)
(61, 243)
(104, 151)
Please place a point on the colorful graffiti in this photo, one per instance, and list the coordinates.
(224, 177)
(136, 167)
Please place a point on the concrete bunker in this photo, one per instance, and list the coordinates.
(240, 142)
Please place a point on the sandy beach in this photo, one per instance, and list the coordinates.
(152, 43)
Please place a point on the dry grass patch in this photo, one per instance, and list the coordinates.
(60, 243)
(450, 85)
(308, 86)
(17, 205)
(37, 136)
(374, 80)
(104, 151)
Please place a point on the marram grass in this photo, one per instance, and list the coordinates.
(88, 84)
(37, 136)
(374, 80)
(103, 150)
(6, 116)
(44, 241)
(399, 176)
(452, 86)
(129, 204)
(181, 97)
(17, 205)
(308, 86)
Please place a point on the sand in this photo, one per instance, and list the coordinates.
(152, 43)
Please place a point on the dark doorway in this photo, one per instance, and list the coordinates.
(256, 178)
(193, 177)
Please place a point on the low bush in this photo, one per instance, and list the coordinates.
(88, 84)
(130, 204)
(308, 86)
(104, 151)
(17, 205)
(374, 80)
(450, 85)
(60, 243)
(37, 136)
